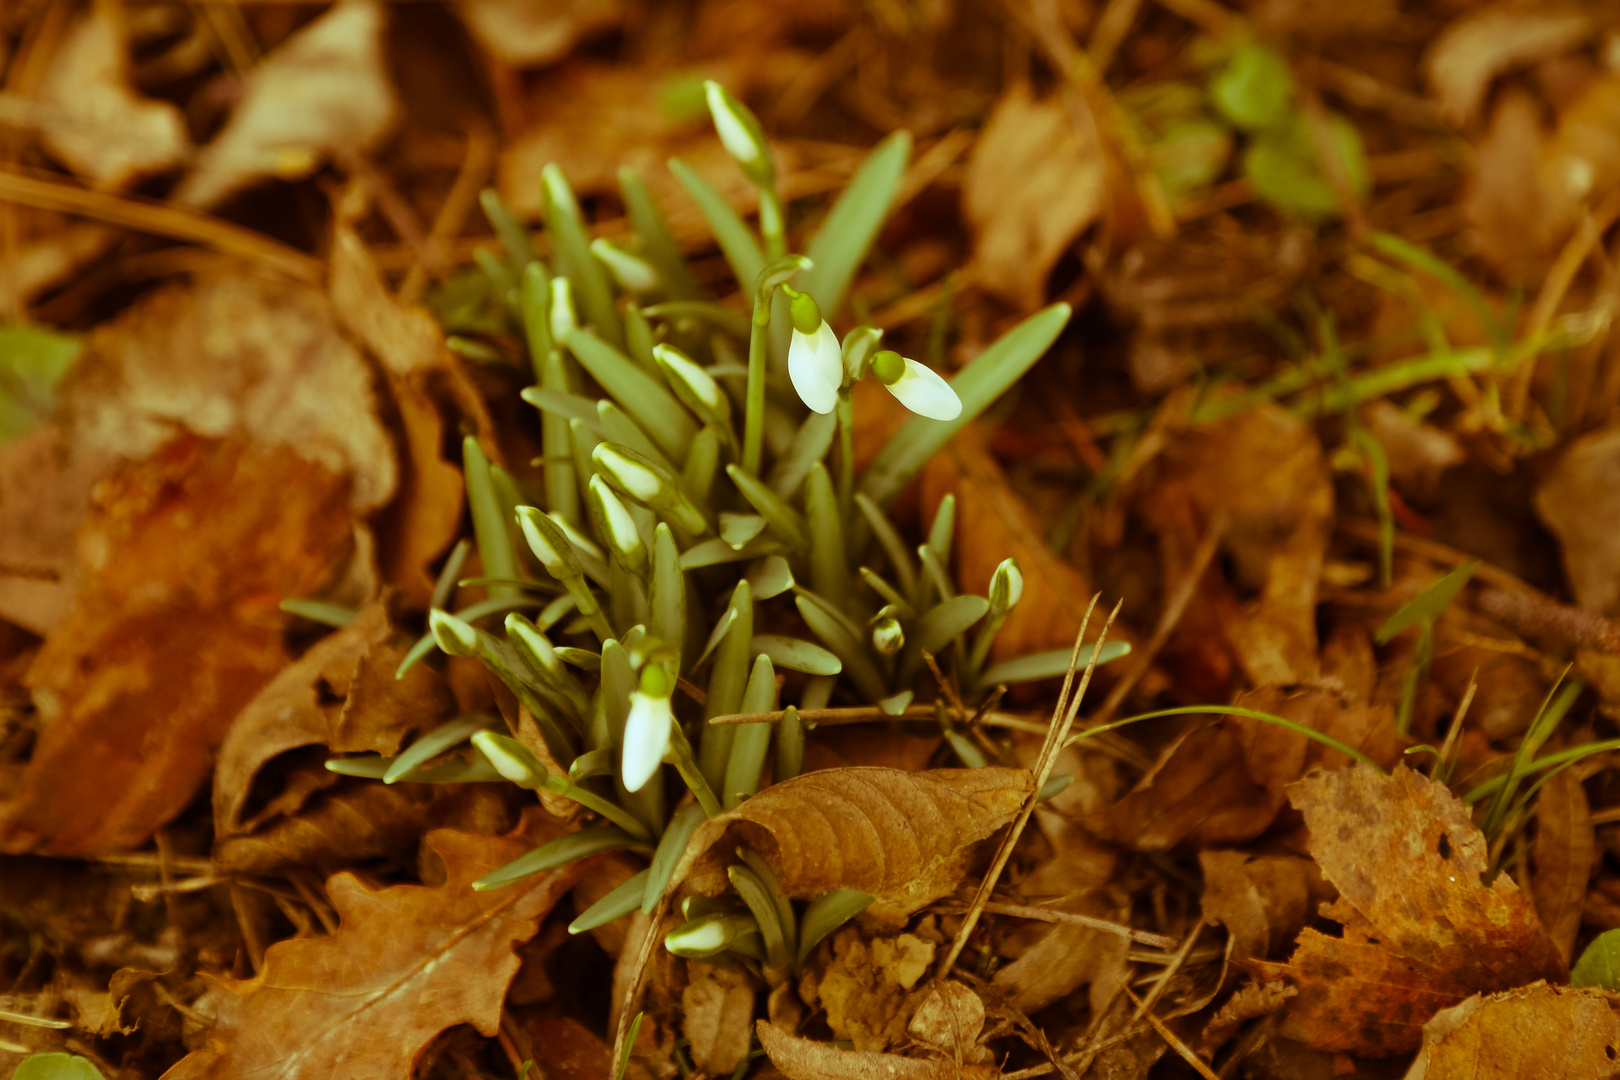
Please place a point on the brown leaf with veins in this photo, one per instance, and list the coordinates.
(1036, 180)
(949, 1021)
(903, 837)
(1263, 901)
(1562, 857)
(1549, 1032)
(176, 627)
(717, 1006)
(806, 1059)
(406, 963)
(1422, 931)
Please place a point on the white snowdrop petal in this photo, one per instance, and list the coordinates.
(646, 737)
(816, 366)
(922, 391)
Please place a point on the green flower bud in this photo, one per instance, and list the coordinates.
(690, 382)
(549, 544)
(740, 133)
(804, 309)
(563, 318)
(455, 636)
(1006, 587)
(615, 525)
(633, 273)
(645, 481)
(888, 636)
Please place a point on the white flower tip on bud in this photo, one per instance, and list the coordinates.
(1006, 587)
(634, 274)
(455, 636)
(735, 133)
(506, 763)
(816, 367)
(618, 527)
(540, 540)
(631, 477)
(693, 377)
(646, 737)
(888, 636)
(920, 389)
(563, 318)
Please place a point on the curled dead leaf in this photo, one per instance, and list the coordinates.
(1475, 49)
(1562, 855)
(903, 837)
(868, 985)
(1422, 931)
(949, 1020)
(1263, 901)
(406, 963)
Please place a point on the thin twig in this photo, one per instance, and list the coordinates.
(1175, 1042)
(1045, 914)
(159, 218)
(1068, 706)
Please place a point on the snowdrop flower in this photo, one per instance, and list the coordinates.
(918, 387)
(646, 731)
(815, 359)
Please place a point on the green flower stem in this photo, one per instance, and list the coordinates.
(680, 750)
(981, 647)
(772, 221)
(758, 351)
(846, 456)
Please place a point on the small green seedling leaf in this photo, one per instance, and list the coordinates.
(57, 1067)
(1599, 965)
(826, 914)
(1427, 605)
(32, 362)
(1255, 90)
(436, 742)
(616, 904)
(629, 1045)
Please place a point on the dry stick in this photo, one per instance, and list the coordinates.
(621, 1023)
(1175, 1042)
(158, 218)
(1456, 725)
(1535, 617)
(1033, 911)
(1168, 620)
(1098, 1043)
(1055, 738)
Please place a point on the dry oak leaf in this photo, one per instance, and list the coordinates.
(806, 1059)
(1549, 1032)
(325, 90)
(717, 1006)
(1580, 503)
(406, 963)
(175, 629)
(342, 695)
(1422, 930)
(1036, 180)
(1277, 756)
(1263, 901)
(903, 837)
(1562, 857)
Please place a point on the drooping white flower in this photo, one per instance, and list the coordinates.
(917, 386)
(815, 359)
(647, 728)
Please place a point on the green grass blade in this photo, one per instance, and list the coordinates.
(616, 904)
(845, 237)
(657, 245)
(1232, 710)
(495, 547)
(736, 240)
(1427, 605)
(637, 392)
(570, 847)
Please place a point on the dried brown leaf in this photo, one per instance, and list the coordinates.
(1199, 792)
(903, 837)
(868, 986)
(806, 1059)
(1580, 503)
(1475, 49)
(993, 523)
(1036, 180)
(524, 33)
(1562, 857)
(406, 963)
(1422, 931)
(718, 1010)
(45, 483)
(342, 695)
(324, 91)
(1277, 756)
(1263, 901)
(91, 118)
(1549, 1032)
(949, 1020)
(175, 629)
(1066, 957)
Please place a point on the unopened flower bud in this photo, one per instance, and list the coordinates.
(549, 544)
(615, 525)
(888, 636)
(633, 273)
(739, 132)
(563, 318)
(1006, 587)
(455, 636)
